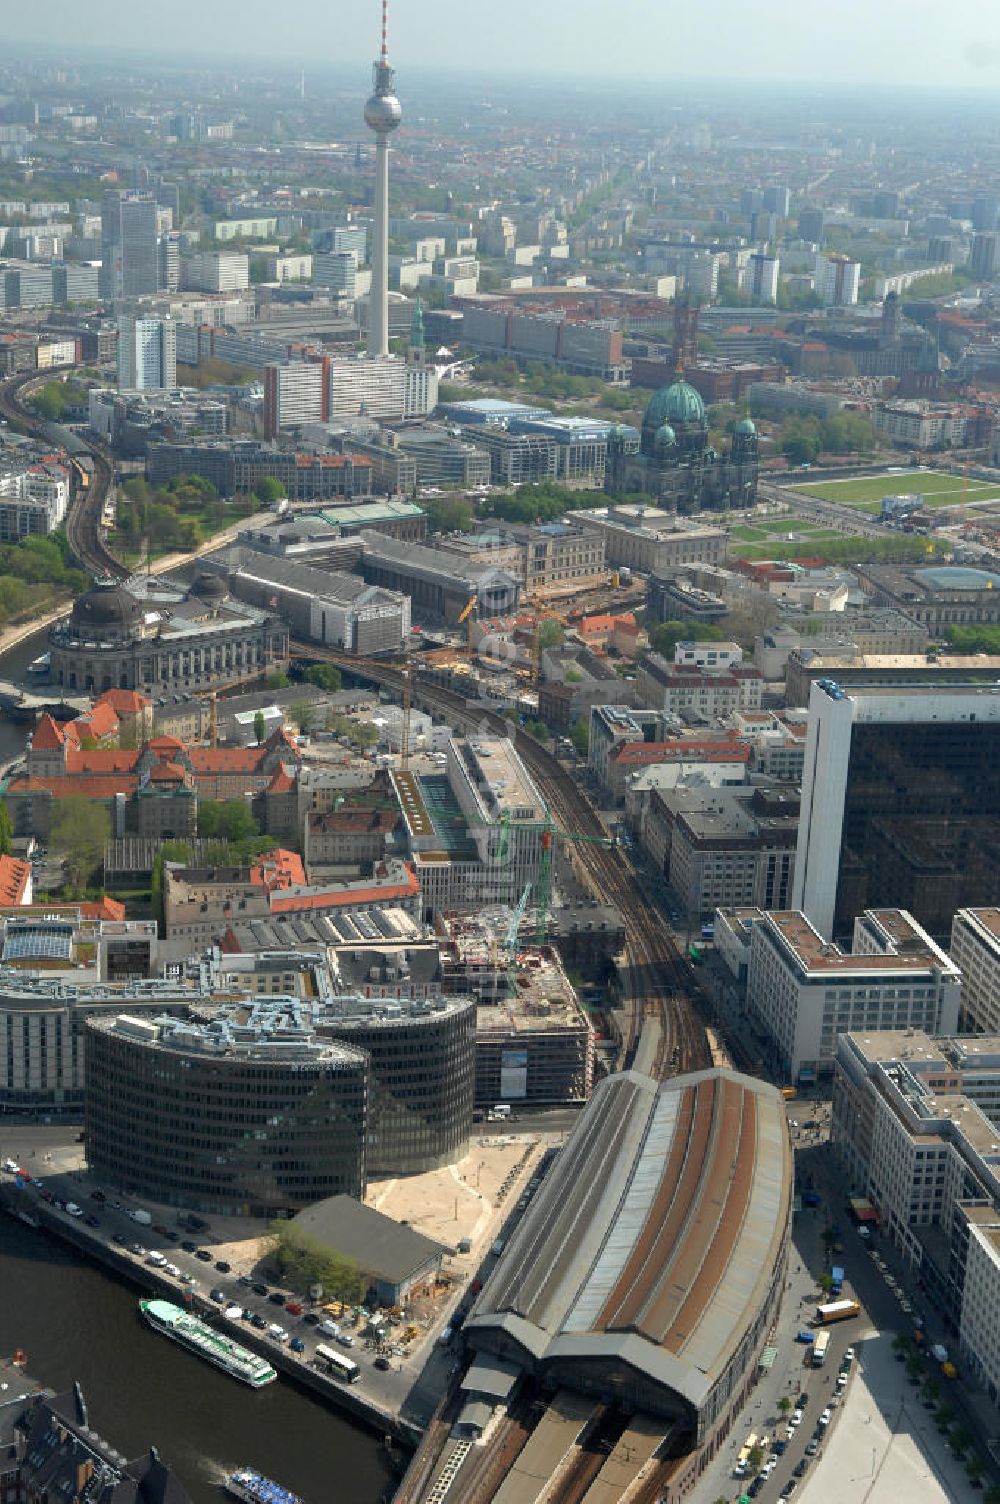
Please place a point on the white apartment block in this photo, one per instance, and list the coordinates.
(383, 387)
(216, 271)
(147, 353)
(294, 393)
(289, 267)
(920, 424)
(760, 278)
(806, 992)
(975, 948)
(837, 280)
(708, 654)
(917, 1145)
(33, 499)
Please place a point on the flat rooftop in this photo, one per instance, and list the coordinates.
(817, 956)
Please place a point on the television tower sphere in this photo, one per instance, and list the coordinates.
(383, 112)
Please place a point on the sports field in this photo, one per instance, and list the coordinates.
(937, 488)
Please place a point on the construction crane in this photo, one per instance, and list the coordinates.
(404, 746)
(549, 833)
(513, 931)
(466, 619)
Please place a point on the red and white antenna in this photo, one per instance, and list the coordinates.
(385, 31)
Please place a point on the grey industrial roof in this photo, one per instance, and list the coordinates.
(654, 1239)
(383, 1248)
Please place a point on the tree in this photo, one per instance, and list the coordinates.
(324, 676)
(304, 1260)
(580, 736)
(784, 1404)
(6, 830)
(230, 820)
(268, 490)
(259, 726)
(80, 829)
(277, 681)
(665, 637)
(755, 1457)
(550, 633)
(825, 1283)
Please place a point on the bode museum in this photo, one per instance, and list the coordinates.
(148, 635)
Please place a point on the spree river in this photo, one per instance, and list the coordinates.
(75, 1321)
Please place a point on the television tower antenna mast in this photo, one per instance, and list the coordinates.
(383, 114)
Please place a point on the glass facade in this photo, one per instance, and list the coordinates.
(921, 821)
(238, 1133)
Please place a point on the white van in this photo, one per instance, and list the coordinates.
(328, 1329)
(277, 1332)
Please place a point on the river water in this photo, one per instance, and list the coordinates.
(76, 1321)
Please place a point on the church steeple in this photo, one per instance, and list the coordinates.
(416, 353)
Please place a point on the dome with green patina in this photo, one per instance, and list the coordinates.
(665, 437)
(677, 403)
(745, 426)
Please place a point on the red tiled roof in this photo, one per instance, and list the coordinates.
(102, 762)
(77, 787)
(14, 879)
(278, 869)
(99, 722)
(124, 701)
(208, 760)
(166, 744)
(167, 772)
(681, 750)
(341, 898)
(48, 736)
(282, 782)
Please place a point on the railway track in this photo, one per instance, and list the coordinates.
(657, 976)
(83, 520)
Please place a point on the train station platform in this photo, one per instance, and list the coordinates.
(546, 1448)
(630, 1455)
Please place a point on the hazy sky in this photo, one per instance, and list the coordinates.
(845, 41)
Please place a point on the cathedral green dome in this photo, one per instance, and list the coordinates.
(745, 425)
(677, 403)
(665, 436)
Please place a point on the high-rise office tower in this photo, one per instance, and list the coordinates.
(383, 114)
(985, 257)
(762, 278)
(129, 258)
(147, 353)
(812, 224)
(985, 212)
(778, 200)
(900, 803)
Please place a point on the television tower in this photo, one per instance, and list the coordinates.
(382, 115)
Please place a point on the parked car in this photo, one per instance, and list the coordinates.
(258, 1321)
(796, 1419)
(188, 1246)
(219, 1296)
(203, 1254)
(383, 1364)
(310, 1319)
(222, 1266)
(276, 1298)
(826, 1417)
(297, 1345)
(259, 1289)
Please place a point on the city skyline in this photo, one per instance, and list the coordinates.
(784, 44)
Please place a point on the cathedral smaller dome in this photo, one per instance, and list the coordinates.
(665, 436)
(745, 426)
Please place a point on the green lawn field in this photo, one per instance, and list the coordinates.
(937, 488)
